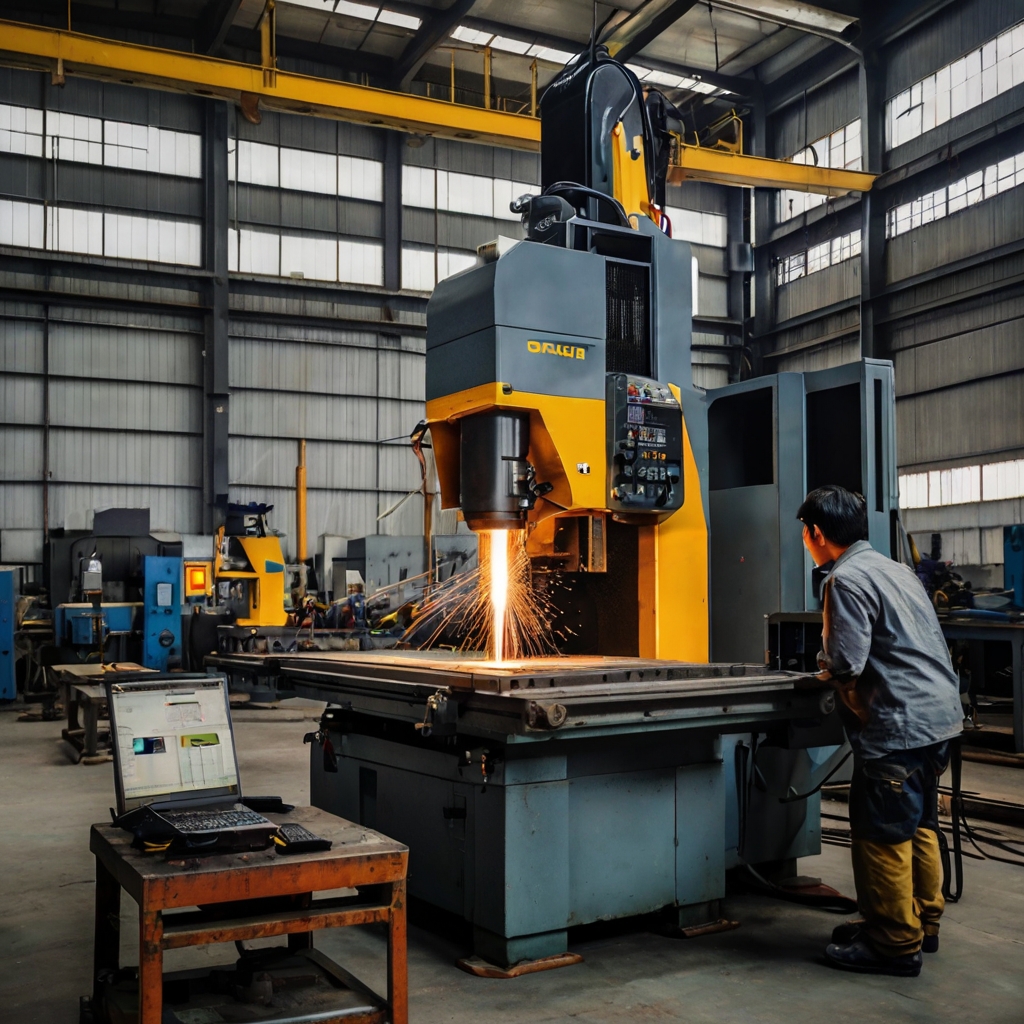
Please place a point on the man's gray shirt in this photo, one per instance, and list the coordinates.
(882, 629)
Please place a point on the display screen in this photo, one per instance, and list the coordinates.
(174, 740)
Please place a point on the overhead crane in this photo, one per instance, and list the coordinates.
(264, 86)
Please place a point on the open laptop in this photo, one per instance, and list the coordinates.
(174, 755)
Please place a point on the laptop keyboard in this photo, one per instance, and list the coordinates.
(212, 821)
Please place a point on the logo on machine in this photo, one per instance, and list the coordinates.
(557, 348)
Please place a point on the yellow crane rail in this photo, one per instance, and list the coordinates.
(110, 60)
(723, 167)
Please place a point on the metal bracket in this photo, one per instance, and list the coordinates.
(440, 716)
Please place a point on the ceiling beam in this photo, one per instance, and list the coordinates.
(213, 24)
(48, 49)
(643, 26)
(432, 32)
(810, 18)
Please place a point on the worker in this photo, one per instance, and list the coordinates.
(899, 698)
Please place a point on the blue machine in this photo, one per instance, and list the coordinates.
(73, 623)
(1013, 562)
(161, 613)
(8, 690)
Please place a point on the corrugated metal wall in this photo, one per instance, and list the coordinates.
(950, 313)
(342, 391)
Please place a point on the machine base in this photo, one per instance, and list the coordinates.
(482, 969)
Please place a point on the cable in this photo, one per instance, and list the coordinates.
(571, 186)
(803, 796)
(956, 812)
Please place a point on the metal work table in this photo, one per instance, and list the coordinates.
(553, 792)
(1007, 632)
(520, 701)
(253, 895)
(794, 638)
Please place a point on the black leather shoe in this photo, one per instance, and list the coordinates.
(859, 956)
(844, 934)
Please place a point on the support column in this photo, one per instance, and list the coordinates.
(872, 237)
(764, 292)
(216, 474)
(737, 239)
(392, 213)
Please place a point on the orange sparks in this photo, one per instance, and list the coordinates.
(498, 543)
(497, 607)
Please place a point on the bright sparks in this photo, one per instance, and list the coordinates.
(496, 607)
(497, 542)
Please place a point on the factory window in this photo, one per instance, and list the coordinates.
(145, 148)
(818, 257)
(996, 481)
(21, 130)
(90, 140)
(149, 238)
(95, 233)
(697, 227)
(477, 38)
(317, 258)
(21, 224)
(975, 188)
(74, 137)
(418, 266)
(461, 193)
(304, 170)
(957, 486)
(71, 230)
(309, 171)
(368, 12)
(968, 82)
(360, 262)
(841, 150)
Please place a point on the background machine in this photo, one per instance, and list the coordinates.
(627, 772)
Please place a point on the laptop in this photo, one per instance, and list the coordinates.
(174, 758)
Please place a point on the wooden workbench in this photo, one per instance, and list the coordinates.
(236, 895)
(82, 686)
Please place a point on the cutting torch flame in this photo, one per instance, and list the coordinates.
(498, 542)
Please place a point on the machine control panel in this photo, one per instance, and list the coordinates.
(645, 445)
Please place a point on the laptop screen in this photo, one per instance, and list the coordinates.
(173, 740)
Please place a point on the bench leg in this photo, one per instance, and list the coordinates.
(301, 940)
(92, 718)
(398, 967)
(107, 933)
(151, 966)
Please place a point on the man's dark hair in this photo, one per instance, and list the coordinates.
(841, 515)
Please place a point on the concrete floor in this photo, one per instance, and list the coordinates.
(768, 970)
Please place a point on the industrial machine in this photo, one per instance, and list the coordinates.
(626, 773)
(249, 567)
(147, 630)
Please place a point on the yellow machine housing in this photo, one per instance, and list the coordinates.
(254, 570)
(524, 356)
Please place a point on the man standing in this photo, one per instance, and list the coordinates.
(900, 701)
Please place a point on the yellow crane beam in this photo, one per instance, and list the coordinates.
(110, 60)
(722, 167)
